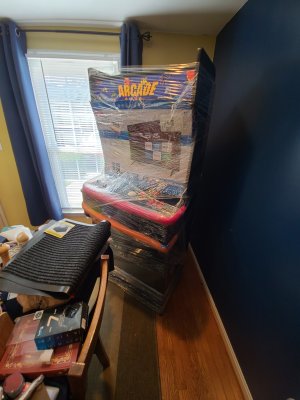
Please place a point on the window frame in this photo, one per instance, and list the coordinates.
(72, 55)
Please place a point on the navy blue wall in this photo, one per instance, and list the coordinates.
(248, 243)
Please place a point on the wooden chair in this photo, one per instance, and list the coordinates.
(77, 374)
(6, 327)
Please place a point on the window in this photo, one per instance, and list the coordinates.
(62, 95)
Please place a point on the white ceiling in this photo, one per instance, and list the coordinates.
(182, 16)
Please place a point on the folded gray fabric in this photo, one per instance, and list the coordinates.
(55, 266)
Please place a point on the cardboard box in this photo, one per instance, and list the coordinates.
(61, 325)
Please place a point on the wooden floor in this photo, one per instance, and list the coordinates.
(194, 364)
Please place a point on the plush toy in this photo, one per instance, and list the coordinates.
(32, 302)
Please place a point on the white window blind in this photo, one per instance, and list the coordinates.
(63, 100)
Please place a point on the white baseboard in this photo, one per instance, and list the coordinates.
(229, 348)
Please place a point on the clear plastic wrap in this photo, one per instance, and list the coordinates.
(144, 118)
(153, 124)
(148, 267)
(144, 263)
(154, 207)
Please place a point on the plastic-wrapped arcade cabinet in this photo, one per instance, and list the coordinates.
(153, 124)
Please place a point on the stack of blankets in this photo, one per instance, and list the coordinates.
(153, 124)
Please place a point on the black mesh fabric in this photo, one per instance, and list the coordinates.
(61, 261)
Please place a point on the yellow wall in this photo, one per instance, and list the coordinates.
(162, 49)
(11, 195)
(73, 42)
(176, 49)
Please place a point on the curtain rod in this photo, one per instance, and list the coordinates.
(145, 36)
(72, 31)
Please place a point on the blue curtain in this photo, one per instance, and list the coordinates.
(24, 127)
(131, 43)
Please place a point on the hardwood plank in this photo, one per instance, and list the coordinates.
(193, 360)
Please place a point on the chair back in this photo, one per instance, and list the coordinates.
(77, 374)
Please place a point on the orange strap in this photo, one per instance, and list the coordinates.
(130, 232)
